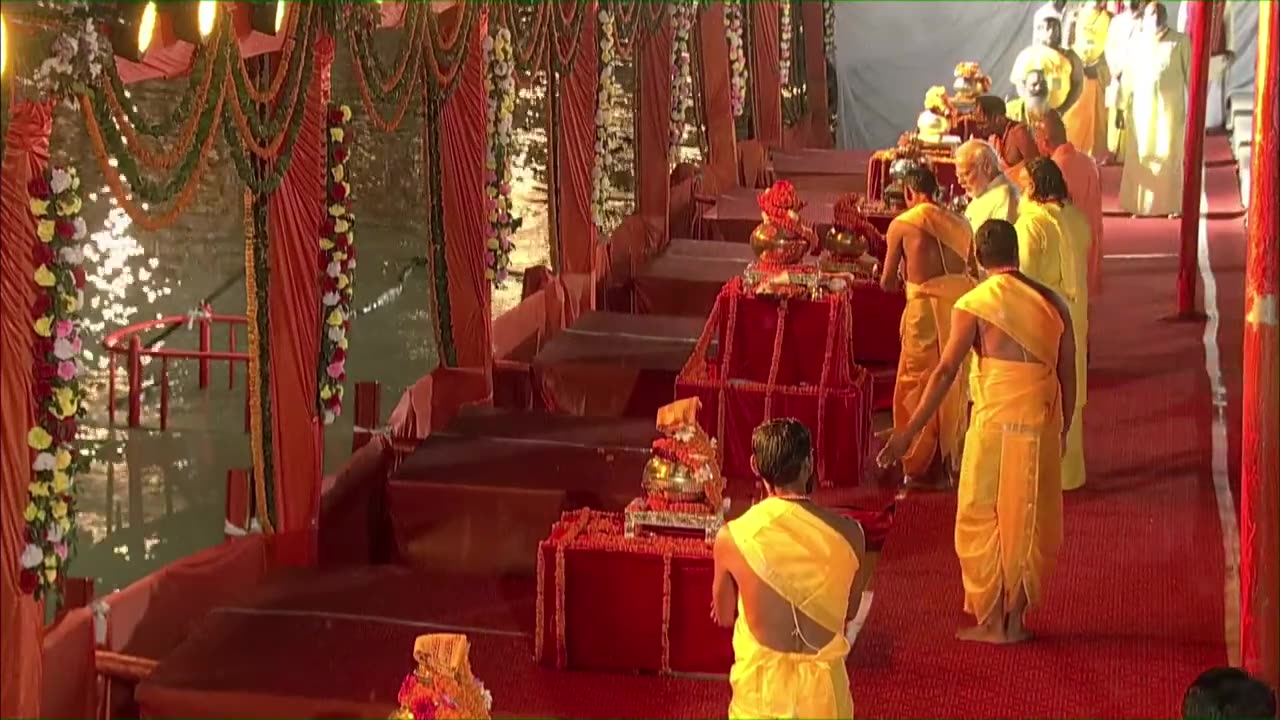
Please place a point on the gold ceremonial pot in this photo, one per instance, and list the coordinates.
(671, 481)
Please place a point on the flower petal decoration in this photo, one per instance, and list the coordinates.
(337, 263)
(500, 86)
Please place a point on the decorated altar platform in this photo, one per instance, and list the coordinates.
(737, 213)
(811, 169)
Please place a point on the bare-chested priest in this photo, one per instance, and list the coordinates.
(794, 573)
(929, 247)
(1009, 505)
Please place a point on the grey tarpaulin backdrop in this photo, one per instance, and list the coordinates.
(888, 54)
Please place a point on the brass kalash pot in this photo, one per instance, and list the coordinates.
(774, 246)
(782, 238)
(844, 244)
(672, 481)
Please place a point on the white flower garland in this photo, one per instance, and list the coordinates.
(784, 42)
(500, 88)
(683, 16)
(337, 263)
(735, 26)
(829, 30)
(59, 279)
(606, 94)
(77, 56)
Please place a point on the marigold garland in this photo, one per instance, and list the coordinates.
(683, 16)
(337, 265)
(51, 494)
(500, 88)
(780, 206)
(735, 27)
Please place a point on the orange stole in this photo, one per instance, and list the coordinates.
(1009, 510)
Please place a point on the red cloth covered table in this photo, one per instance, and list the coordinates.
(606, 602)
(812, 169)
(752, 379)
(614, 364)
(686, 279)
(878, 174)
(737, 214)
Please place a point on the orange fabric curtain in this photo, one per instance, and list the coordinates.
(653, 123)
(462, 158)
(815, 71)
(295, 212)
(766, 75)
(576, 149)
(721, 133)
(21, 619)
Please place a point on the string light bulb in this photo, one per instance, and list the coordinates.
(280, 13)
(146, 27)
(4, 46)
(207, 17)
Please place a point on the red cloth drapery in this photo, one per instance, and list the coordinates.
(716, 105)
(766, 74)
(815, 75)
(653, 189)
(1260, 477)
(462, 153)
(295, 212)
(576, 149)
(21, 619)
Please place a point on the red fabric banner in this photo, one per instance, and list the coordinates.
(295, 212)
(462, 153)
(21, 618)
(722, 138)
(812, 19)
(576, 149)
(766, 73)
(653, 188)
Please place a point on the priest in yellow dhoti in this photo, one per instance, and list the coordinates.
(1009, 509)
(1154, 94)
(1053, 249)
(1086, 119)
(793, 572)
(929, 246)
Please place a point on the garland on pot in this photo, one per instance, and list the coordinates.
(607, 141)
(829, 30)
(683, 16)
(337, 265)
(500, 88)
(59, 279)
(735, 26)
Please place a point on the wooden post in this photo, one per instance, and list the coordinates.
(1259, 479)
(368, 413)
(1193, 158)
(135, 382)
(206, 345)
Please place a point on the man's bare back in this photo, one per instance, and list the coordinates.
(920, 255)
(994, 343)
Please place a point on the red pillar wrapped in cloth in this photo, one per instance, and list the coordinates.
(576, 66)
(813, 17)
(722, 141)
(766, 72)
(294, 214)
(1193, 158)
(653, 123)
(1260, 481)
(21, 617)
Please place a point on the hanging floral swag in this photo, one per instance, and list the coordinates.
(684, 14)
(785, 32)
(735, 26)
(829, 30)
(606, 94)
(59, 280)
(338, 264)
(500, 87)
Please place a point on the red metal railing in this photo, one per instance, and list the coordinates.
(127, 342)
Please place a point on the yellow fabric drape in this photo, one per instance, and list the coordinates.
(812, 567)
(1009, 511)
(999, 202)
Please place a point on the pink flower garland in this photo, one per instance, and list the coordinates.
(56, 369)
(337, 265)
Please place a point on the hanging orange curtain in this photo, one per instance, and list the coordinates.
(21, 619)
(295, 212)
(815, 75)
(721, 133)
(766, 75)
(462, 158)
(576, 149)
(653, 126)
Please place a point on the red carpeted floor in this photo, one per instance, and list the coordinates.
(1133, 613)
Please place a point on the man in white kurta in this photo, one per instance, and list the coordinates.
(1222, 53)
(1155, 93)
(1121, 36)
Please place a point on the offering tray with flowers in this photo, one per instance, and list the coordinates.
(684, 489)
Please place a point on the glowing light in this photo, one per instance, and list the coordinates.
(146, 27)
(280, 13)
(207, 17)
(4, 46)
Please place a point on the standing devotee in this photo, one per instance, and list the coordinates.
(1054, 9)
(1026, 108)
(1084, 186)
(1155, 100)
(929, 246)
(1046, 55)
(990, 193)
(1121, 36)
(1012, 140)
(1053, 249)
(1222, 53)
(794, 573)
(1086, 119)
(1009, 506)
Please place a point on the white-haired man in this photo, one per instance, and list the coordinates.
(991, 195)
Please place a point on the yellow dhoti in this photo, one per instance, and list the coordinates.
(1009, 510)
(1086, 119)
(811, 566)
(1073, 468)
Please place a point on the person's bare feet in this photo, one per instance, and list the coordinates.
(1016, 635)
(989, 634)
